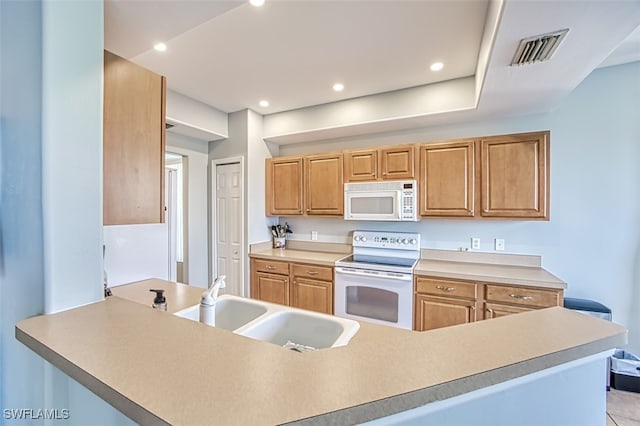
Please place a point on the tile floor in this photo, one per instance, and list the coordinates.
(623, 408)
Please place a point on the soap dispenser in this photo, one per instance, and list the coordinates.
(159, 302)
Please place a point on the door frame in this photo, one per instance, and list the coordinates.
(213, 217)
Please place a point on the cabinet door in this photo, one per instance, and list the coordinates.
(324, 192)
(272, 288)
(495, 310)
(397, 162)
(313, 295)
(515, 176)
(447, 179)
(133, 143)
(284, 186)
(361, 165)
(436, 312)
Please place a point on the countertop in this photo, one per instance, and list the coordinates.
(478, 267)
(491, 273)
(302, 256)
(117, 348)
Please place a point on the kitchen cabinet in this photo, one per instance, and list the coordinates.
(270, 281)
(284, 186)
(398, 162)
(442, 303)
(391, 162)
(323, 182)
(293, 284)
(501, 300)
(515, 176)
(445, 302)
(447, 179)
(133, 143)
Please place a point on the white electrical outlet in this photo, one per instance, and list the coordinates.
(314, 235)
(499, 244)
(475, 243)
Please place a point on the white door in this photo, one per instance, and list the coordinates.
(228, 226)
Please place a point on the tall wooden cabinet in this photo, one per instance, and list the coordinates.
(494, 177)
(323, 184)
(447, 183)
(309, 185)
(515, 175)
(133, 143)
(284, 186)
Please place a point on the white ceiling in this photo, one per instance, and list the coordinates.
(230, 55)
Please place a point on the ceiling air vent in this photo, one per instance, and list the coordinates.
(168, 125)
(539, 48)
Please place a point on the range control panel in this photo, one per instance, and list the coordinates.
(389, 240)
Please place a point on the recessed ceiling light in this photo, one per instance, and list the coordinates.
(338, 87)
(160, 47)
(256, 3)
(437, 66)
(264, 103)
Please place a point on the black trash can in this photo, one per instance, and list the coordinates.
(595, 309)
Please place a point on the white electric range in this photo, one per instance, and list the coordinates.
(375, 282)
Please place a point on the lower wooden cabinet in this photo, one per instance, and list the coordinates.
(436, 312)
(496, 310)
(298, 285)
(312, 295)
(443, 302)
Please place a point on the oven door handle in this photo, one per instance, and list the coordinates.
(374, 274)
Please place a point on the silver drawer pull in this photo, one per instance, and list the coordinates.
(312, 272)
(517, 296)
(443, 288)
(270, 267)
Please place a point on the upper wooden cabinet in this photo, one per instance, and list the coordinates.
(133, 143)
(511, 180)
(447, 176)
(398, 162)
(515, 176)
(323, 181)
(386, 163)
(361, 165)
(284, 186)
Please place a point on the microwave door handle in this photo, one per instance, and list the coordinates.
(363, 273)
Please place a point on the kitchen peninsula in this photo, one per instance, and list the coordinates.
(157, 368)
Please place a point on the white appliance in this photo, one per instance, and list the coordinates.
(375, 282)
(385, 200)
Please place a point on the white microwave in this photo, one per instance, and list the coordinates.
(385, 200)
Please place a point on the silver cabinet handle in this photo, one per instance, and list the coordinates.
(491, 313)
(312, 272)
(443, 288)
(517, 296)
(270, 267)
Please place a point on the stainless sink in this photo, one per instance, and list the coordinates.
(277, 324)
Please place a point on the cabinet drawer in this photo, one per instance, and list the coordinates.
(446, 288)
(312, 271)
(271, 267)
(525, 296)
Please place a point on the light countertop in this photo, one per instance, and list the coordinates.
(492, 273)
(117, 347)
(301, 256)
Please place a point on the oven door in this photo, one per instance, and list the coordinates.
(373, 205)
(374, 296)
